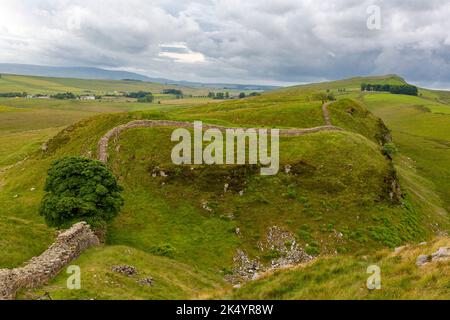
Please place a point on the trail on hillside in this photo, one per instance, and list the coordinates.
(326, 114)
(103, 144)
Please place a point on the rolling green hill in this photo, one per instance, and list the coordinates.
(185, 228)
(48, 85)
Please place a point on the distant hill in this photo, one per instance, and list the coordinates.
(103, 74)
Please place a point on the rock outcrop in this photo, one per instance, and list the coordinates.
(39, 270)
(279, 243)
(443, 254)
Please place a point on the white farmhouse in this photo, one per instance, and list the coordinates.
(87, 98)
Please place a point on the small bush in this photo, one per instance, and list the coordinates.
(272, 255)
(312, 251)
(165, 250)
(389, 149)
(80, 189)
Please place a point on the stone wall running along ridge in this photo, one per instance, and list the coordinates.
(39, 270)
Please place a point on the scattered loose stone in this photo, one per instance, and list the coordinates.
(146, 282)
(287, 169)
(206, 206)
(244, 268)
(125, 270)
(281, 241)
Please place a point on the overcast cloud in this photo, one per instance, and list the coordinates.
(252, 41)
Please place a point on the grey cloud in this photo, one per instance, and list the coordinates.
(251, 41)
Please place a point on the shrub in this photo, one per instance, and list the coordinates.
(389, 149)
(312, 251)
(147, 99)
(165, 250)
(272, 255)
(79, 189)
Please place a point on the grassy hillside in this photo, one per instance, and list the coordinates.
(171, 279)
(344, 277)
(420, 134)
(420, 129)
(334, 201)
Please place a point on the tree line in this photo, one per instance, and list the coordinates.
(392, 88)
(226, 95)
(141, 96)
(12, 94)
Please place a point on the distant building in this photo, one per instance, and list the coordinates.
(87, 98)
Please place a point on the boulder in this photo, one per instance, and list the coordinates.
(443, 254)
(422, 260)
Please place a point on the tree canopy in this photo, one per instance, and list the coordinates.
(80, 189)
(394, 89)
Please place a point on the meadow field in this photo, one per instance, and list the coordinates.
(47, 85)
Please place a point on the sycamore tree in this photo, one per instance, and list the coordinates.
(80, 189)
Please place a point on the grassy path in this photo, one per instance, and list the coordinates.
(326, 114)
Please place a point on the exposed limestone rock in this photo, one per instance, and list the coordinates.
(244, 268)
(278, 241)
(285, 244)
(422, 260)
(443, 254)
(39, 270)
(399, 249)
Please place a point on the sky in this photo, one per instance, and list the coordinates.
(278, 42)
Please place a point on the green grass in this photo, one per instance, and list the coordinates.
(171, 279)
(420, 135)
(340, 185)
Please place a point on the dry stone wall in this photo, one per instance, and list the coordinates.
(115, 132)
(39, 270)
